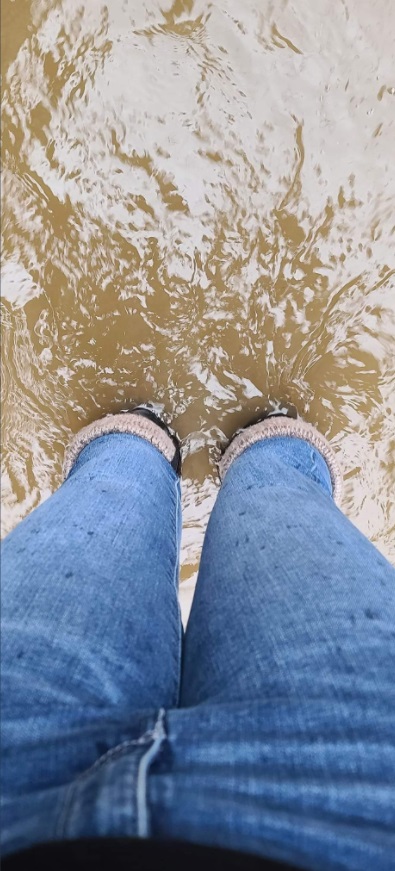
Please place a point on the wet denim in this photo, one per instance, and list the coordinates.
(269, 728)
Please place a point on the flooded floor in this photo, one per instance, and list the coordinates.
(199, 208)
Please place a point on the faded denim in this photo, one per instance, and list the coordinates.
(269, 728)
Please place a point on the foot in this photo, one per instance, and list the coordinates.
(147, 410)
(282, 421)
(278, 410)
(148, 426)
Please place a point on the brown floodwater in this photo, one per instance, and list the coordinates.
(199, 209)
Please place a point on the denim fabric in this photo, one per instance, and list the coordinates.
(277, 738)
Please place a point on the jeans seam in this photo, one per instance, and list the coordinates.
(109, 756)
(158, 735)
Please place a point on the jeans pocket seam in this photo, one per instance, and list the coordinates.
(109, 756)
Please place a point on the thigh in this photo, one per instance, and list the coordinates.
(292, 600)
(309, 784)
(90, 621)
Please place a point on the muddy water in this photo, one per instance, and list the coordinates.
(199, 209)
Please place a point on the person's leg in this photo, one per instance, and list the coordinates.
(284, 744)
(91, 631)
(290, 595)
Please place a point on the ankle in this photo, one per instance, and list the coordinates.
(284, 427)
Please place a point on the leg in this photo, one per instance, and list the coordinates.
(91, 627)
(284, 745)
(291, 598)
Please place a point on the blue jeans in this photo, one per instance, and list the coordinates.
(269, 728)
